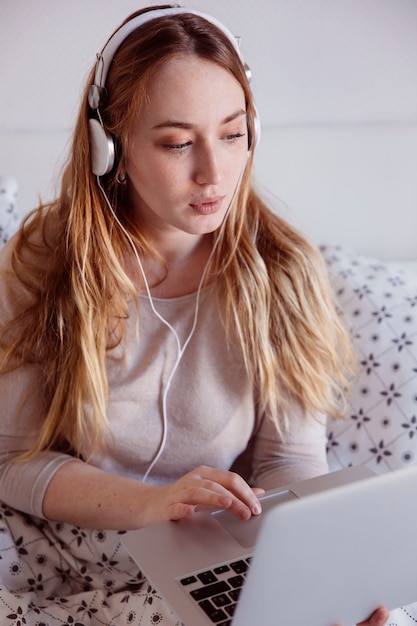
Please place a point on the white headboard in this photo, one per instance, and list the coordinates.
(335, 84)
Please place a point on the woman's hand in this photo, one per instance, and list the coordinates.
(205, 487)
(86, 496)
(379, 618)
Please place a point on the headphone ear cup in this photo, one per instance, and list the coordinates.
(101, 148)
(255, 131)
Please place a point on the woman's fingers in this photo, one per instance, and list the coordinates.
(210, 487)
(233, 491)
(378, 618)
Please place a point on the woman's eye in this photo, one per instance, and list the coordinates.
(234, 136)
(177, 147)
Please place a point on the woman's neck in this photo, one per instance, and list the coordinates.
(180, 271)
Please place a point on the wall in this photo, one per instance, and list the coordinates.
(335, 83)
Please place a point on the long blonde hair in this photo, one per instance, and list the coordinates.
(274, 294)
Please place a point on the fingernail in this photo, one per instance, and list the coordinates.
(257, 509)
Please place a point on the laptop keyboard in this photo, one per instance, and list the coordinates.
(217, 590)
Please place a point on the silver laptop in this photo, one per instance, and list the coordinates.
(324, 551)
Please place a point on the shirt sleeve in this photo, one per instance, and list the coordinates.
(299, 454)
(22, 484)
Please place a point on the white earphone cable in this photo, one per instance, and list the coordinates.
(180, 349)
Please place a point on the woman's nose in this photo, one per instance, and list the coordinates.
(207, 171)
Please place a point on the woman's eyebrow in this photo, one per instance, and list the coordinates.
(187, 125)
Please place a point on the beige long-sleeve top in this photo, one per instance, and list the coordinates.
(211, 415)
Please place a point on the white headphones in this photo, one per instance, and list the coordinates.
(101, 142)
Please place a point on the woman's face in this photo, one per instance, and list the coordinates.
(188, 147)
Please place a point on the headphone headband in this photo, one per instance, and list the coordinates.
(105, 57)
(101, 143)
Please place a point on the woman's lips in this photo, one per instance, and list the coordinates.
(208, 206)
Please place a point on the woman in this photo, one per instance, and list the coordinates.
(160, 327)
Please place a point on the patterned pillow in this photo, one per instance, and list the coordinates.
(8, 208)
(378, 302)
